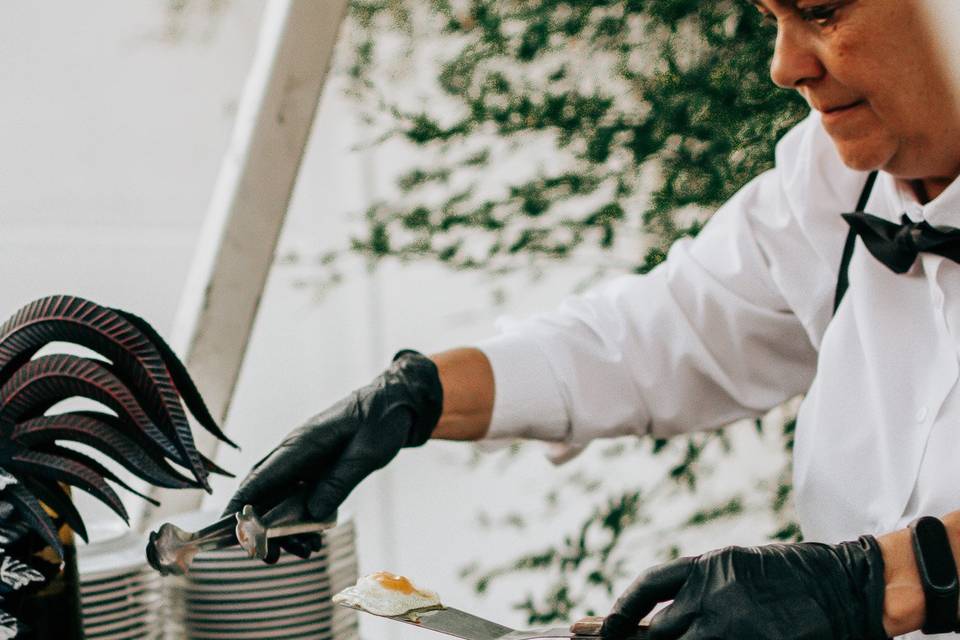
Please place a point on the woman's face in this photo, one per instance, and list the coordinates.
(868, 67)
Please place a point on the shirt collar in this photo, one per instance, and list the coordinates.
(942, 211)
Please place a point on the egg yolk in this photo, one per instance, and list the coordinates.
(393, 582)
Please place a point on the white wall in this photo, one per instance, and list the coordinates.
(110, 138)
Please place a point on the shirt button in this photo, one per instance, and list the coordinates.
(921, 414)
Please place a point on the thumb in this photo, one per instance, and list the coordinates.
(659, 584)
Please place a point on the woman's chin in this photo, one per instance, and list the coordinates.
(865, 154)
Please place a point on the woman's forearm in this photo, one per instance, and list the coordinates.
(468, 391)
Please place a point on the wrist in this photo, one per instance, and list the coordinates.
(466, 377)
(952, 523)
(417, 382)
(904, 606)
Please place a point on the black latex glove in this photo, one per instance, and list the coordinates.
(806, 591)
(329, 455)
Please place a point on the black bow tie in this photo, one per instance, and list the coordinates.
(897, 245)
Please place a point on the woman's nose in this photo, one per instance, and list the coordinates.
(795, 61)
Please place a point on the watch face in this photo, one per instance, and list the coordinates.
(937, 555)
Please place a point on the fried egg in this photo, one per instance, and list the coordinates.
(386, 594)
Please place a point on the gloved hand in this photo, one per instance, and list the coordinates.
(806, 591)
(329, 455)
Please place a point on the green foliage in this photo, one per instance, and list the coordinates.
(595, 556)
(554, 129)
(732, 507)
(613, 90)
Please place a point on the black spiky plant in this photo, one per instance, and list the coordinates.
(141, 424)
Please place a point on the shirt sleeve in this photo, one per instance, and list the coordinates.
(706, 338)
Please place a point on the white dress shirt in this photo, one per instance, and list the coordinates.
(741, 319)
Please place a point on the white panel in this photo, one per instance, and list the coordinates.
(236, 249)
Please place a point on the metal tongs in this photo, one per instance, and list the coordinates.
(171, 550)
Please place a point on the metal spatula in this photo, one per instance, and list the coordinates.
(465, 625)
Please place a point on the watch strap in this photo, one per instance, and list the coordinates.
(938, 574)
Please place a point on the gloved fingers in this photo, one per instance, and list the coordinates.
(273, 552)
(672, 622)
(659, 584)
(302, 544)
(316, 542)
(311, 541)
(292, 544)
(293, 507)
(700, 631)
(332, 489)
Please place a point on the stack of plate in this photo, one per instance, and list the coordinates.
(229, 595)
(119, 592)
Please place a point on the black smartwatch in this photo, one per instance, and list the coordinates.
(938, 573)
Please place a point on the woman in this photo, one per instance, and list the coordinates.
(779, 295)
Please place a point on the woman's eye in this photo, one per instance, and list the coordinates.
(822, 16)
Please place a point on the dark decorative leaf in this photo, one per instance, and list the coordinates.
(33, 513)
(52, 495)
(140, 380)
(213, 467)
(134, 358)
(106, 434)
(85, 460)
(49, 379)
(181, 378)
(68, 471)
